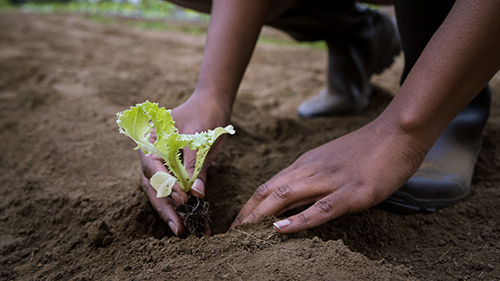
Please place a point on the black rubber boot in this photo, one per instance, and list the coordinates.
(445, 176)
(352, 58)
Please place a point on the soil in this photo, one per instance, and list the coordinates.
(71, 206)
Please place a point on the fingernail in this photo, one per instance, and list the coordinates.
(173, 227)
(198, 187)
(282, 224)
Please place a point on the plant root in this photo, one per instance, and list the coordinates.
(195, 215)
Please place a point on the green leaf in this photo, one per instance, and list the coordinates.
(163, 183)
(203, 146)
(138, 123)
(135, 124)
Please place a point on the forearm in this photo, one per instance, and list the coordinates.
(232, 34)
(456, 64)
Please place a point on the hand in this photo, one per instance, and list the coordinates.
(207, 117)
(346, 175)
(233, 32)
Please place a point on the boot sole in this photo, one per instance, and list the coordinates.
(404, 203)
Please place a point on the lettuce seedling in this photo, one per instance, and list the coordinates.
(138, 123)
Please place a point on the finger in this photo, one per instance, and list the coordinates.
(324, 210)
(198, 188)
(286, 197)
(260, 194)
(281, 182)
(164, 207)
(150, 165)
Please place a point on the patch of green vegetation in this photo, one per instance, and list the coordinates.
(102, 19)
(6, 6)
(151, 25)
(320, 45)
(100, 7)
(146, 9)
(100, 11)
(194, 30)
(165, 26)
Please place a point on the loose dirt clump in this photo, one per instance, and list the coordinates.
(71, 203)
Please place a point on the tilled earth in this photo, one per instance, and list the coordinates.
(71, 206)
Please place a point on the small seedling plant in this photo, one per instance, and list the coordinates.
(138, 122)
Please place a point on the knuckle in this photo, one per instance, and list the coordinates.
(191, 164)
(261, 192)
(161, 212)
(302, 218)
(254, 217)
(324, 206)
(282, 192)
(238, 219)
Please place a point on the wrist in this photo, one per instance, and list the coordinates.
(403, 133)
(210, 109)
(214, 101)
(422, 122)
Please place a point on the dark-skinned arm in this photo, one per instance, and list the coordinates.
(361, 169)
(232, 34)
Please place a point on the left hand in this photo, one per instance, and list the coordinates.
(346, 175)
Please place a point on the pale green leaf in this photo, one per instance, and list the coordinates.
(135, 124)
(162, 182)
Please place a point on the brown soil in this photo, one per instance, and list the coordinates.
(71, 207)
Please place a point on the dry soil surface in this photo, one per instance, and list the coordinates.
(71, 206)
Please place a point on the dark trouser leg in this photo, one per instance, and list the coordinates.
(446, 173)
(360, 42)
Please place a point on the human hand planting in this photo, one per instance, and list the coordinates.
(167, 190)
(232, 34)
(349, 174)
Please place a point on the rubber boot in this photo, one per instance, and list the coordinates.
(352, 59)
(445, 176)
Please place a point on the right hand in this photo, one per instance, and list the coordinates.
(346, 175)
(195, 115)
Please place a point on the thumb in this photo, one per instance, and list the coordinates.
(198, 188)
